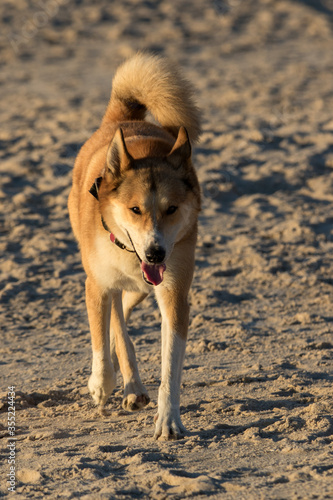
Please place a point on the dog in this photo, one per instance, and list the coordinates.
(134, 206)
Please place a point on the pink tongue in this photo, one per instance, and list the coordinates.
(153, 272)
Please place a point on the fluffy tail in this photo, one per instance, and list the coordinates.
(149, 83)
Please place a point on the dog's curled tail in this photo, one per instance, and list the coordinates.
(149, 83)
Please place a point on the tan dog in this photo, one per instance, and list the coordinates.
(133, 207)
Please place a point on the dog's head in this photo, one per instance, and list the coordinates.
(150, 202)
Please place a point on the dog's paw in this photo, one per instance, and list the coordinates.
(101, 386)
(135, 397)
(168, 427)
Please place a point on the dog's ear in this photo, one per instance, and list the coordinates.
(181, 151)
(118, 158)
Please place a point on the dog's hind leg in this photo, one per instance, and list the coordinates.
(131, 300)
(135, 394)
(103, 377)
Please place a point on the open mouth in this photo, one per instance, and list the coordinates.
(152, 273)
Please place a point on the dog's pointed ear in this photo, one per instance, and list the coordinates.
(181, 151)
(118, 158)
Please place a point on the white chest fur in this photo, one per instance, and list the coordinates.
(116, 269)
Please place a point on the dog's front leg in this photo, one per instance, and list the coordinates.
(103, 377)
(175, 317)
(135, 394)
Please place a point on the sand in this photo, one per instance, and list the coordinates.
(257, 383)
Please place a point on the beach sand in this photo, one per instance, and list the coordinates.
(257, 382)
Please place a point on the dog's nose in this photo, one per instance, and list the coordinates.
(155, 255)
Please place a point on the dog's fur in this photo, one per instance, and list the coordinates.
(147, 196)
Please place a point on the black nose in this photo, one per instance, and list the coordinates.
(155, 255)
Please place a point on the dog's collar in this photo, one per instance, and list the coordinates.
(94, 191)
(115, 240)
(119, 243)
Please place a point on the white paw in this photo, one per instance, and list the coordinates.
(101, 385)
(135, 396)
(168, 426)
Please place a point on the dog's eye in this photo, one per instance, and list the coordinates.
(171, 210)
(136, 210)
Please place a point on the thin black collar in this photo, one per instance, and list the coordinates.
(115, 240)
(94, 191)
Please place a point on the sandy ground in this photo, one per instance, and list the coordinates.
(257, 384)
